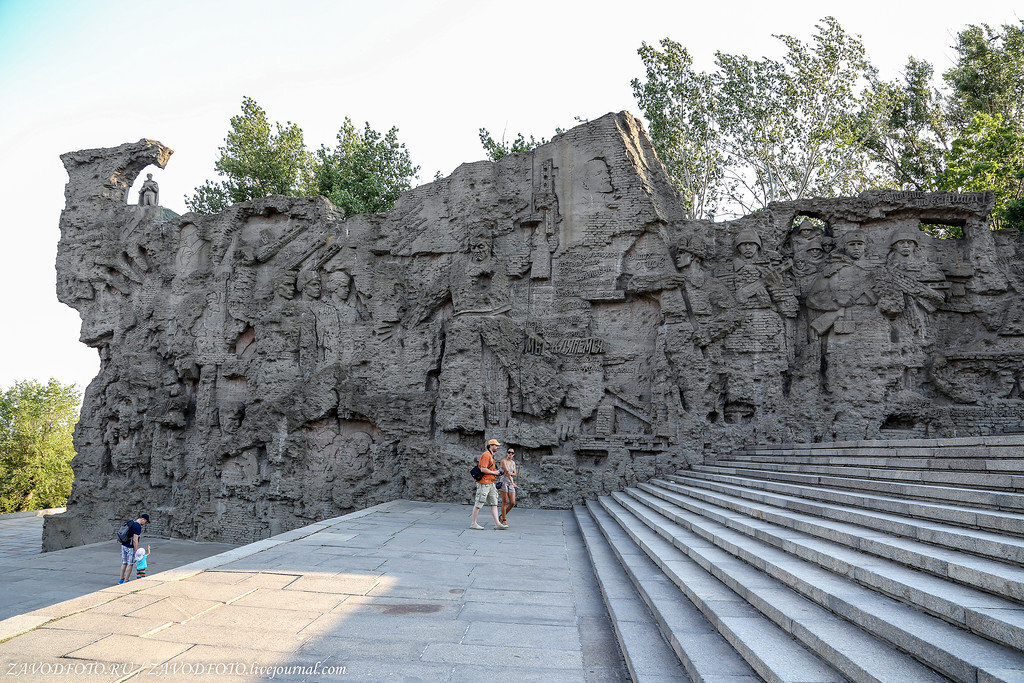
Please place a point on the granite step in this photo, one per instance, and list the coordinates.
(990, 616)
(952, 651)
(647, 654)
(1001, 443)
(995, 466)
(638, 596)
(818, 487)
(969, 487)
(824, 521)
(767, 645)
(979, 452)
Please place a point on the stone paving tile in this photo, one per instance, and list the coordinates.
(405, 590)
(95, 622)
(500, 657)
(143, 651)
(524, 635)
(31, 580)
(48, 642)
(198, 633)
(292, 600)
(480, 672)
(170, 608)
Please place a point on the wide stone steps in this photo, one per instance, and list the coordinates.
(823, 521)
(976, 517)
(646, 653)
(974, 610)
(963, 486)
(781, 634)
(954, 463)
(870, 582)
(640, 599)
(1006, 445)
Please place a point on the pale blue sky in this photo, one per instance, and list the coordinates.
(75, 75)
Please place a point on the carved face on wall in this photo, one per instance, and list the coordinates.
(855, 249)
(748, 250)
(905, 247)
(596, 176)
(683, 258)
(339, 284)
(285, 285)
(310, 285)
(480, 249)
(807, 230)
(814, 253)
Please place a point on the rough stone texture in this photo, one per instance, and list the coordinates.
(277, 363)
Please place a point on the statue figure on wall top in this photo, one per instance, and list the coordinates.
(149, 193)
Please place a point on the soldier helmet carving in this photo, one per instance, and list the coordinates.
(748, 237)
(854, 237)
(904, 234)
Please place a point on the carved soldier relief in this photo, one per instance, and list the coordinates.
(281, 363)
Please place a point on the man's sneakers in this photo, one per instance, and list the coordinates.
(500, 526)
(474, 525)
(122, 580)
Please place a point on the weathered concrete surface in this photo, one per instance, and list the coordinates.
(277, 363)
(401, 590)
(30, 580)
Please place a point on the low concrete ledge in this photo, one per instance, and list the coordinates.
(32, 513)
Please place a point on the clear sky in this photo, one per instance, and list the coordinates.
(75, 75)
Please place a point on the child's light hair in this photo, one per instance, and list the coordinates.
(139, 554)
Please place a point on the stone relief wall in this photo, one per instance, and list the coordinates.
(279, 363)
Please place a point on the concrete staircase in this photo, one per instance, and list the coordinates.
(867, 561)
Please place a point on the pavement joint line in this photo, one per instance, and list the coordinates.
(158, 629)
(238, 597)
(133, 674)
(190, 617)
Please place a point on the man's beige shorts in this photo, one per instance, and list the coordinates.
(486, 494)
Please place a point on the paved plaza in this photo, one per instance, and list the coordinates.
(31, 579)
(400, 591)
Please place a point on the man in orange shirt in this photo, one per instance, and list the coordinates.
(486, 494)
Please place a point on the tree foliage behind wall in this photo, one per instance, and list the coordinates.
(364, 172)
(36, 425)
(754, 131)
(822, 122)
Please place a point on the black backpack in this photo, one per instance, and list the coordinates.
(124, 534)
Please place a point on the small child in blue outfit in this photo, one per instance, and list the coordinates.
(141, 562)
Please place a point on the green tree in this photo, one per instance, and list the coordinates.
(36, 424)
(500, 149)
(257, 160)
(988, 76)
(905, 128)
(760, 130)
(989, 155)
(365, 172)
(679, 105)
